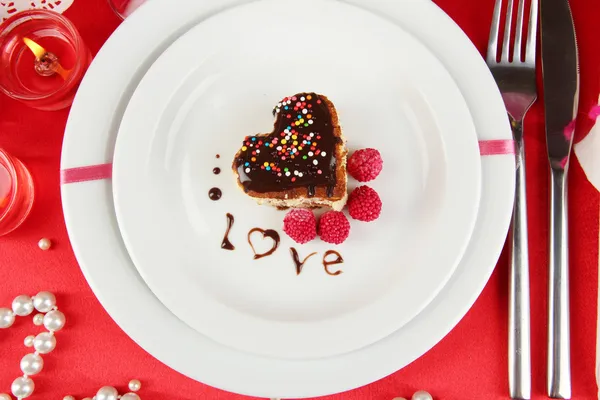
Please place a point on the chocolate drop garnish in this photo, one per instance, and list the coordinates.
(216, 170)
(214, 193)
(338, 260)
(218, 156)
(270, 233)
(299, 264)
(226, 244)
(262, 163)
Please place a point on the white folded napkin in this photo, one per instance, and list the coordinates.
(588, 152)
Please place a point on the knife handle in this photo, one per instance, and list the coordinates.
(559, 353)
(519, 338)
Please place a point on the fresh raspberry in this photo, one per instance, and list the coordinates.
(300, 225)
(364, 165)
(334, 227)
(364, 204)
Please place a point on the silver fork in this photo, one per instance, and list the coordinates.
(516, 79)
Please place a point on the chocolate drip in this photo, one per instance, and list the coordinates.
(270, 233)
(214, 193)
(299, 152)
(216, 170)
(226, 244)
(330, 190)
(338, 260)
(299, 264)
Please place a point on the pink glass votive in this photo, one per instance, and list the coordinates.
(16, 193)
(124, 8)
(48, 79)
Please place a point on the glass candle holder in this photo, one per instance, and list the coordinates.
(42, 59)
(124, 8)
(16, 193)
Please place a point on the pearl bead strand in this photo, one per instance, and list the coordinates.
(110, 393)
(32, 364)
(52, 319)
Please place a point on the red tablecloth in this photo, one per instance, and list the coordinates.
(470, 363)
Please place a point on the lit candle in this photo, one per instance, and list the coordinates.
(46, 63)
(45, 59)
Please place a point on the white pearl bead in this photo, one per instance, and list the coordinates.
(38, 319)
(22, 305)
(130, 396)
(44, 301)
(44, 343)
(32, 364)
(45, 244)
(422, 395)
(4, 396)
(135, 385)
(54, 320)
(68, 398)
(107, 393)
(28, 342)
(22, 387)
(7, 318)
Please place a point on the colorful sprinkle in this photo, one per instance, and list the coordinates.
(315, 162)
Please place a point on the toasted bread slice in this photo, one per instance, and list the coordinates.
(302, 162)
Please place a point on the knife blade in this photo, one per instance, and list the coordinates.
(560, 71)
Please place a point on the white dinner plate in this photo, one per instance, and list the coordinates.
(90, 217)
(192, 105)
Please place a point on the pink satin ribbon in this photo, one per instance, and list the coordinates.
(496, 147)
(104, 171)
(83, 174)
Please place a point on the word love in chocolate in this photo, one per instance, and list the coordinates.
(326, 262)
(266, 233)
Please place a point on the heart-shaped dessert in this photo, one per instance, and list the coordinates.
(302, 162)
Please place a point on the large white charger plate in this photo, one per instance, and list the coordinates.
(90, 217)
(194, 104)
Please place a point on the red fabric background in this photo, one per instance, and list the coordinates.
(470, 363)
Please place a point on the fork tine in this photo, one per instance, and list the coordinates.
(492, 51)
(517, 49)
(532, 33)
(507, 26)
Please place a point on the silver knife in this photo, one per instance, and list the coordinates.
(560, 70)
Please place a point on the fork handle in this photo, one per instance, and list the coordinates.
(559, 354)
(519, 348)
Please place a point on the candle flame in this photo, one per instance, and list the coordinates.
(39, 52)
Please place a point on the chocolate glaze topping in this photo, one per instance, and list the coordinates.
(266, 233)
(300, 152)
(214, 193)
(338, 260)
(299, 264)
(226, 244)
